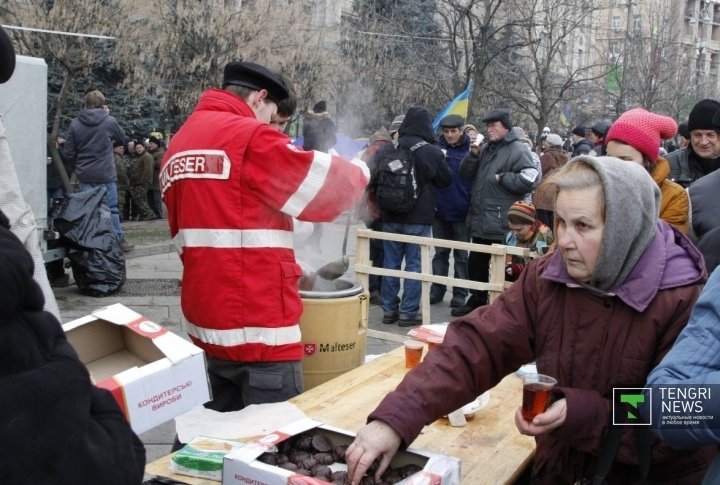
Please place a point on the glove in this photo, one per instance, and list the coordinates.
(513, 269)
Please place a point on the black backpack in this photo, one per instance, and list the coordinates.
(397, 189)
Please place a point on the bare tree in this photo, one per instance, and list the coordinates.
(481, 31)
(554, 66)
(660, 75)
(647, 61)
(71, 53)
(677, 89)
(391, 57)
(187, 44)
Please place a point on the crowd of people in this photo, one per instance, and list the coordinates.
(596, 313)
(625, 237)
(95, 151)
(137, 166)
(633, 233)
(490, 175)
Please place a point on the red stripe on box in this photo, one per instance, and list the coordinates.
(118, 392)
(146, 328)
(272, 439)
(432, 479)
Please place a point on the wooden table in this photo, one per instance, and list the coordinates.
(490, 447)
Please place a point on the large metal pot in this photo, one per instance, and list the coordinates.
(332, 289)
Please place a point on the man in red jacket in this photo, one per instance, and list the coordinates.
(232, 185)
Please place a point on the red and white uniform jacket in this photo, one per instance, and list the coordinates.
(232, 185)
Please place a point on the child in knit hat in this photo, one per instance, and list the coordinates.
(526, 231)
(636, 137)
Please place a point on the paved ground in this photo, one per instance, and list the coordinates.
(154, 271)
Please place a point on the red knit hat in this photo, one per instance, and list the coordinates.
(642, 130)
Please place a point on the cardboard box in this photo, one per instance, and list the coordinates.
(242, 467)
(153, 374)
(202, 457)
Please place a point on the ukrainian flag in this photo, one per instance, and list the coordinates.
(458, 106)
(565, 117)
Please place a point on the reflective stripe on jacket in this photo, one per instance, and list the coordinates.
(232, 185)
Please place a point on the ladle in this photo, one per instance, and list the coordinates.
(335, 269)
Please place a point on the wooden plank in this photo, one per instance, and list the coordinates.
(490, 447)
(429, 277)
(497, 252)
(445, 243)
(425, 262)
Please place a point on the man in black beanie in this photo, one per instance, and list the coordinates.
(452, 204)
(702, 155)
(704, 203)
(319, 130)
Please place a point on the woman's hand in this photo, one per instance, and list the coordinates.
(553, 418)
(377, 439)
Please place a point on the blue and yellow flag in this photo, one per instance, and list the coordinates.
(565, 116)
(458, 106)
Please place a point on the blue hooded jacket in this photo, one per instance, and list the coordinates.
(453, 202)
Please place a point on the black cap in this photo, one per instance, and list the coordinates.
(7, 56)
(255, 76)
(320, 107)
(452, 121)
(118, 143)
(683, 130)
(579, 131)
(498, 114)
(601, 128)
(155, 140)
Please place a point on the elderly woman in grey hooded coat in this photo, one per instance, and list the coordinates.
(598, 313)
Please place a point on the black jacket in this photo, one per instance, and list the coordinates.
(709, 246)
(490, 199)
(319, 132)
(686, 166)
(430, 167)
(582, 147)
(89, 146)
(57, 427)
(705, 203)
